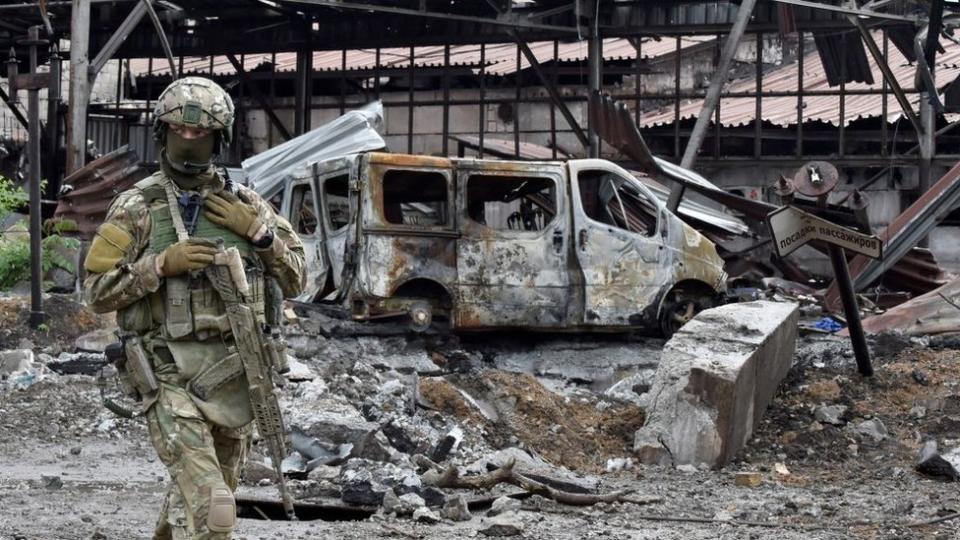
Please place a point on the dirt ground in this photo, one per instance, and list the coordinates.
(66, 320)
(71, 470)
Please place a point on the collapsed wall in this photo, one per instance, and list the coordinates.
(716, 377)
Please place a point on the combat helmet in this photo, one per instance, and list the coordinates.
(195, 102)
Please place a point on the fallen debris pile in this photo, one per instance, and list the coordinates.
(450, 437)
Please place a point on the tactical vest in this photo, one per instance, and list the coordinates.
(187, 307)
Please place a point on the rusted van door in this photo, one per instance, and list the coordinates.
(407, 235)
(333, 179)
(513, 252)
(618, 243)
(300, 206)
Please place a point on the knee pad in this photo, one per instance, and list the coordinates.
(223, 510)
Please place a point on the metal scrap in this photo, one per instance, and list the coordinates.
(904, 233)
(353, 132)
(86, 194)
(936, 312)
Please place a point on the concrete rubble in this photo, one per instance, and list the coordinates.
(371, 435)
(716, 377)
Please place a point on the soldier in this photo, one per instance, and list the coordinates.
(142, 265)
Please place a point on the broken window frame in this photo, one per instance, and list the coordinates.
(467, 176)
(374, 216)
(294, 217)
(620, 179)
(324, 202)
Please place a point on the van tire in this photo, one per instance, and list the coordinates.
(679, 307)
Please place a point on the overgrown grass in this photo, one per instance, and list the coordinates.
(15, 246)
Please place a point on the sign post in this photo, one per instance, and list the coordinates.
(32, 82)
(791, 228)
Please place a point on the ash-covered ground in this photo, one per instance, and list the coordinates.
(834, 456)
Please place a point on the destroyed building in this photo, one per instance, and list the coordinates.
(545, 295)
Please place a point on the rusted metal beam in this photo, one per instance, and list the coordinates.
(259, 97)
(850, 10)
(713, 96)
(116, 40)
(551, 89)
(510, 20)
(161, 35)
(904, 233)
(888, 74)
(717, 82)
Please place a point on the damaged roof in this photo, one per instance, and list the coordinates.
(782, 111)
(499, 58)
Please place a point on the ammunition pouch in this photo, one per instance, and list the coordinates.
(179, 320)
(194, 308)
(215, 375)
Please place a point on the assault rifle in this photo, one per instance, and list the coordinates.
(259, 355)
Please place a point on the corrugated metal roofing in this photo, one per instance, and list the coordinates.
(782, 111)
(500, 58)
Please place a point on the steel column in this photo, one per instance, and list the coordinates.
(800, 54)
(516, 107)
(300, 93)
(594, 82)
(37, 316)
(79, 85)
(445, 145)
(482, 97)
(758, 115)
(53, 123)
(413, 61)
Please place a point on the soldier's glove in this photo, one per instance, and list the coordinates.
(230, 211)
(184, 256)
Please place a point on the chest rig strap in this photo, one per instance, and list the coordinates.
(179, 316)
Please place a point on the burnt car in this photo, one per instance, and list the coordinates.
(484, 244)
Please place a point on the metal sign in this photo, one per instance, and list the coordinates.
(791, 228)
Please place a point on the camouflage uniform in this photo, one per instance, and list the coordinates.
(203, 442)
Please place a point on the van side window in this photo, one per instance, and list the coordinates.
(515, 203)
(276, 201)
(335, 197)
(303, 212)
(612, 200)
(417, 198)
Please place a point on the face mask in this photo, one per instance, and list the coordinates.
(189, 156)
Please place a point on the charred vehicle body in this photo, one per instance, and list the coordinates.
(482, 244)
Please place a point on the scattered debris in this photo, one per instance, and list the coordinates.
(936, 312)
(933, 463)
(831, 414)
(456, 509)
(503, 505)
(508, 524)
(872, 429)
(748, 479)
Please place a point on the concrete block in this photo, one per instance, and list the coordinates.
(716, 377)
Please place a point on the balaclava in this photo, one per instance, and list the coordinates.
(188, 161)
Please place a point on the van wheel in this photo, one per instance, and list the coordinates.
(421, 316)
(679, 308)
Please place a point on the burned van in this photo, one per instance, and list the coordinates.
(482, 244)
